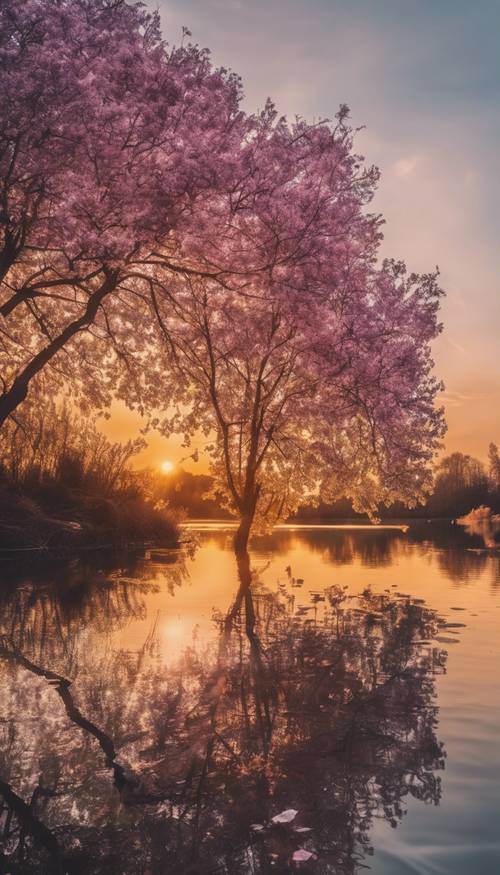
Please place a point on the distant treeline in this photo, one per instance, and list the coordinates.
(63, 484)
(461, 483)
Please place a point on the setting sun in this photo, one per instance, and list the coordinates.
(167, 466)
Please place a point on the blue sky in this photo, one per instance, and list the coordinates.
(423, 76)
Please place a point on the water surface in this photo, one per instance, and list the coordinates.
(342, 713)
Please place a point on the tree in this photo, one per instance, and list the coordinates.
(461, 470)
(318, 384)
(107, 140)
(494, 466)
(302, 410)
(460, 484)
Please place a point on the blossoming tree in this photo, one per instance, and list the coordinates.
(315, 376)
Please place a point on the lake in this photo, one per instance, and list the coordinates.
(342, 714)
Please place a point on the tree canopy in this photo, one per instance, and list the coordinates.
(108, 139)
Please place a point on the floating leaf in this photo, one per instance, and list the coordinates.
(285, 816)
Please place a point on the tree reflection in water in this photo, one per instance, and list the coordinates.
(115, 762)
(459, 551)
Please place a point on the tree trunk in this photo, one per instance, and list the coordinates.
(243, 561)
(246, 518)
(17, 393)
(243, 533)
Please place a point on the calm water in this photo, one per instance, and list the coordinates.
(155, 717)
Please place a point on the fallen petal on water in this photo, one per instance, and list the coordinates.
(285, 816)
(302, 855)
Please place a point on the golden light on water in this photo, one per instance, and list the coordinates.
(167, 466)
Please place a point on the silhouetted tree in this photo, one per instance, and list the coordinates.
(494, 466)
(461, 483)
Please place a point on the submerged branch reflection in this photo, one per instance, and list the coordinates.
(324, 711)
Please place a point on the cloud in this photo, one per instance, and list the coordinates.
(455, 345)
(458, 399)
(405, 166)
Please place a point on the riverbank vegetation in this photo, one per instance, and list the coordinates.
(63, 484)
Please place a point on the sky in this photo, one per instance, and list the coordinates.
(423, 79)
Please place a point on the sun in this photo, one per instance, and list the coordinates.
(167, 466)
